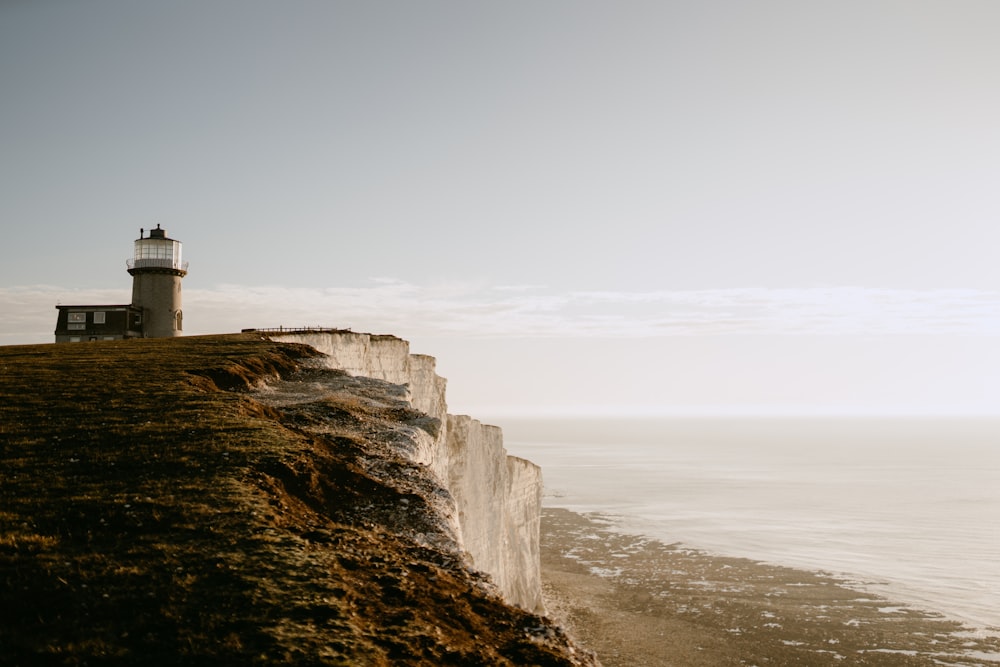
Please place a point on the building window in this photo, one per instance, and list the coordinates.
(75, 326)
(77, 317)
(99, 317)
(74, 339)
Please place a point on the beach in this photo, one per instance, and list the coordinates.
(638, 602)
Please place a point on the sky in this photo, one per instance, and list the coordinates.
(577, 207)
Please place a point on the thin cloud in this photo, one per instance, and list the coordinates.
(474, 310)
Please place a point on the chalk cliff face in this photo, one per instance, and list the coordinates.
(497, 497)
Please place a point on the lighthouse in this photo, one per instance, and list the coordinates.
(157, 269)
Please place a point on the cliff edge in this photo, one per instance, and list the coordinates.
(232, 500)
(497, 498)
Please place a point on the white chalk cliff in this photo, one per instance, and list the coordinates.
(497, 497)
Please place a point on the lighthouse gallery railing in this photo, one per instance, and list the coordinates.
(156, 263)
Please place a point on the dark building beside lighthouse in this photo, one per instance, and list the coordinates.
(156, 268)
(83, 323)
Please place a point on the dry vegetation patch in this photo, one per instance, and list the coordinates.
(151, 514)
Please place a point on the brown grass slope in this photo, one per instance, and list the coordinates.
(149, 514)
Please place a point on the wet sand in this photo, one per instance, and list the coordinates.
(638, 602)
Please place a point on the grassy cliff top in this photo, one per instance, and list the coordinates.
(151, 512)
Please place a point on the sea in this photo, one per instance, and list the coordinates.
(908, 508)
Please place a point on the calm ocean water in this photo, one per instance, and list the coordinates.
(909, 507)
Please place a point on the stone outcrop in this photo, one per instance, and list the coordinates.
(497, 497)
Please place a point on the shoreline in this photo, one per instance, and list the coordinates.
(881, 585)
(638, 601)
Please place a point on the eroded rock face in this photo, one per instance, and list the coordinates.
(497, 497)
(522, 526)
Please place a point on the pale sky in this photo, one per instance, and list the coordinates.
(577, 207)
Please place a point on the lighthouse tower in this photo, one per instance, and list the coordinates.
(157, 270)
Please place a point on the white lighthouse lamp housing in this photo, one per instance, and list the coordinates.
(157, 252)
